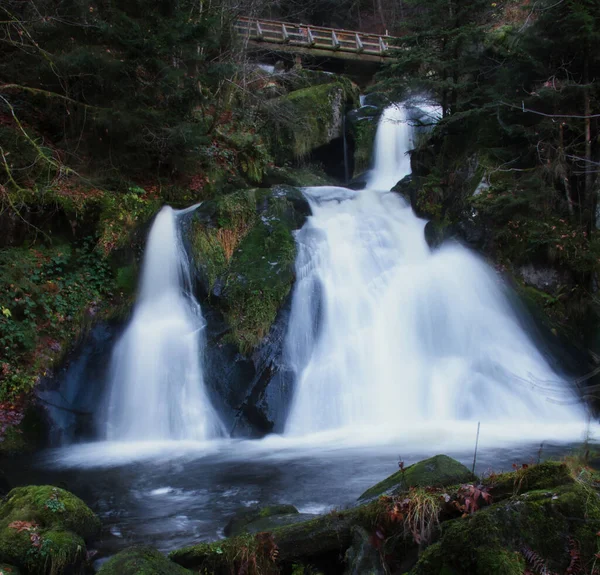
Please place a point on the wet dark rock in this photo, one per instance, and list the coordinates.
(72, 396)
(5, 486)
(436, 234)
(358, 182)
(546, 278)
(362, 557)
(245, 299)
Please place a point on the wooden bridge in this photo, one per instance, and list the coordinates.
(315, 41)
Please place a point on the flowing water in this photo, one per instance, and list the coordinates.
(398, 352)
(157, 388)
(387, 332)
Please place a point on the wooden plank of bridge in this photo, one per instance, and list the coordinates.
(300, 38)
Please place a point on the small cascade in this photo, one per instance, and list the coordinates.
(392, 142)
(157, 388)
(385, 332)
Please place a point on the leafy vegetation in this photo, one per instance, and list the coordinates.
(515, 155)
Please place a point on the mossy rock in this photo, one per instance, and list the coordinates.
(309, 118)
(363, 132)
(305, 543)
(547, 475)
(244, 251)
(438, 471)
(52, 508)
(538, 526)
(141, 560)
(302, 177)
(43, 530)
(36, 550)
(247, 515)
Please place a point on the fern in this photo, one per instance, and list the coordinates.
(536, 562)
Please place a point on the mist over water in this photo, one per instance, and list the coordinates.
(157, 387)
(385, 332)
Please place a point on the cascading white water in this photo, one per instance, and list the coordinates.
(157, 388)
(385, 331)
(392, 142)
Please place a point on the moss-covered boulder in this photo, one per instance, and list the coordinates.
(244, 251)
(43, 530)
(438, 471)
(309, 118)
(247, 515)
(140, 560)
(317, 542)
(362, 127)
(546, 475)
(546, 529)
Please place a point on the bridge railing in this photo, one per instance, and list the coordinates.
(318, 37)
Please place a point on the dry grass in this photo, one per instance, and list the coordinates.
(419, 513)
(230, 238)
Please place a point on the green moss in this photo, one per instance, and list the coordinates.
(546, 475)
(228, 556)
(363, 131)
(298, 543)
(308, 118)
(301, 177)
(15, 545)
(140, 560)
(260, 277)
(59, 550)
(437, 471)
(542, 524)
(247, 515)
(49, 296)
(52, 507)
(243, 243)
(126, 279)
(37, 550)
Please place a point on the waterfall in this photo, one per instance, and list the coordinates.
(392, 142)
(157, 388)
(385, 331)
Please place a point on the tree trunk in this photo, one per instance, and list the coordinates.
(381, 14)
(562, 170)
(591, 199)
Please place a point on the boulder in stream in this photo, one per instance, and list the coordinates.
(141, 560)
(246, 517)
(438, 471)
(44, 529)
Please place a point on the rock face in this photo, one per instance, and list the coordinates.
(44, 529)
(243, 250)
(140, 561)
(437, 471)
(309, 118)
(362, 126)
(544, 278)
(73, 394)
